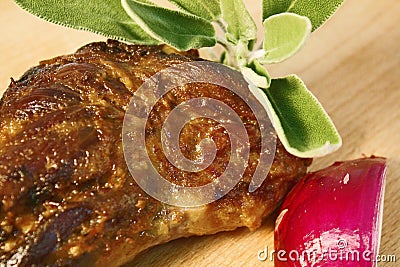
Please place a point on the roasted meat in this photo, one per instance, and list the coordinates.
(67, 196)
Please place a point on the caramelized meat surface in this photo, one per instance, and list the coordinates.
(67, 196)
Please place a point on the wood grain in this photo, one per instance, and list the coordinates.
(352, 65)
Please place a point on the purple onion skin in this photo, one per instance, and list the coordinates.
(333, 217)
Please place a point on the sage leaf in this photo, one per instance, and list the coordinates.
(107, 18)
(209, 10)
(178, 29)
(223, 58)
(284, 35)
(302, 125)
(241, 26)
(317, 11)
(257, 74)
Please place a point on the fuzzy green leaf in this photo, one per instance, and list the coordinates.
(241, 26)
(317, 11)
(180, 30)
(284, 35)
(257, 74)
(209, 10)
(302, 125)
(107, 18)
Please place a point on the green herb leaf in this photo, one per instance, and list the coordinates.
(223, 58)
(107, 18)
(209, 10)
(241, 26)
(284, 35)
(302, 125)
(180, 30)
(257, 74)
(317, 11)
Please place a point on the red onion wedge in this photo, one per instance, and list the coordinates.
(333, 217)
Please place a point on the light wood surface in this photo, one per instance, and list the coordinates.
(352, 65)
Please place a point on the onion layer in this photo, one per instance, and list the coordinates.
(333, 217)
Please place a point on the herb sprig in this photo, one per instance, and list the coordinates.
(302, 125)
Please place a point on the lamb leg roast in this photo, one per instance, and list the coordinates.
(67, 196)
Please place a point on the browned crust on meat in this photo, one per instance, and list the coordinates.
(67, 197)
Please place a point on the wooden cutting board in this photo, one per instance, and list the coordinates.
(352, 65)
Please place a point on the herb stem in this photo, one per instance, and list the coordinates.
(231, 52)
(222, 42)
(221, 24)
